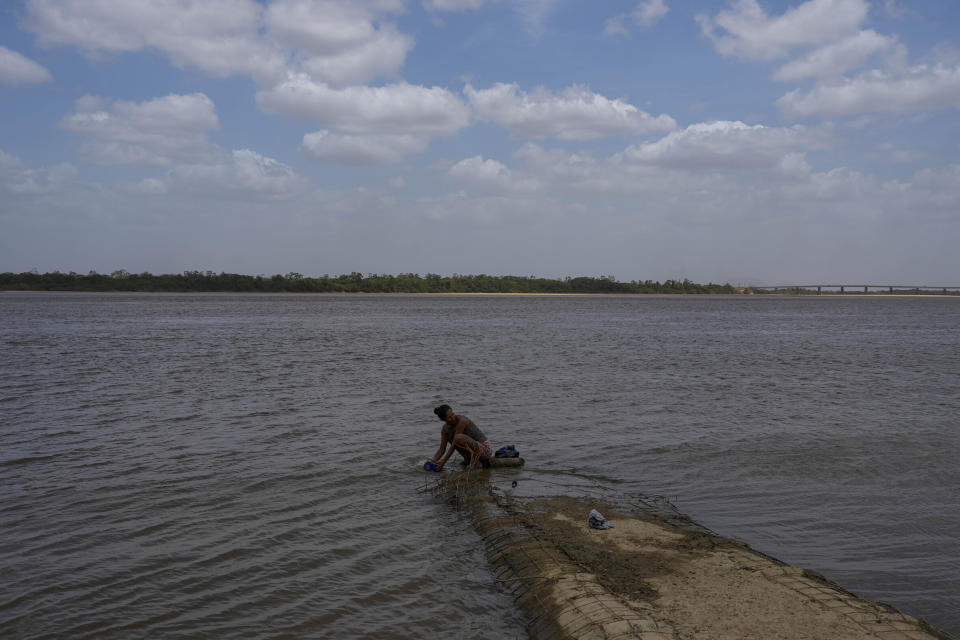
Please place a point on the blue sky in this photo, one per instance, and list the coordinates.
(749, 141)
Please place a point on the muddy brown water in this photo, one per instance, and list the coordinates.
(243, 465)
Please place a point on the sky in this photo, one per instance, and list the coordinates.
(745, 141)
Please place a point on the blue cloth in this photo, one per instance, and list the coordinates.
(508, 451)
(429, 466)
(597, 521)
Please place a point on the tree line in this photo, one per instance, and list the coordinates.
(208, 281)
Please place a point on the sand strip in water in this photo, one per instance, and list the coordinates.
(656, 580)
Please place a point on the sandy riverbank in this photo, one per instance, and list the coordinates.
(651, 579)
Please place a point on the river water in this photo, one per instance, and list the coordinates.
(248, 465)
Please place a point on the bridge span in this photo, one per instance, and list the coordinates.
(857, 289)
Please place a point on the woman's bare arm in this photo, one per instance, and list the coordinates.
(461, 425)
(443, 446)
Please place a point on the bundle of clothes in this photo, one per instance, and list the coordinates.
(508, 451)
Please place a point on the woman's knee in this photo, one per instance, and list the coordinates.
(461, 440)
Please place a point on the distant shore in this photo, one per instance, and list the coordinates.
(847, 296)
(208, 281)
(431, 283)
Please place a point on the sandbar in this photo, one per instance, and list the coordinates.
(656, 578)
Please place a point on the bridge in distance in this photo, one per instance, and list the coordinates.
(859, 289)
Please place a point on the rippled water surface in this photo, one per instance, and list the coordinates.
(227, 466)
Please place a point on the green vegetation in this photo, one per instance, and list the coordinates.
(352, 283)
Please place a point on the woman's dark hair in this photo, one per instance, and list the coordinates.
(441, 411)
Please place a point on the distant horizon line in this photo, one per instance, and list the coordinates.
(123, 273)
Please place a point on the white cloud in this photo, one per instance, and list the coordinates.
(171, 132)
(747, 32)
(156, 132)
(477, 168)
(366, 125)
(485, 175)
(337, 41)
(787, 193)
(920, 88)
(241, 170)
(833, 60)
(781, 190)
(706, 165)
(19, 180)
(319, 27)
(486, 213)
(381, 56)
(174, 114)
(17, 70)
(944, 181)
(575, 114)
(893, 11)
(453, 5)
(397, 108)
(614, 26)
(897, 155)
(336, 148)
(557, 165)
(646, 14)
(583, 176)
(152, 186)
(830, 32)
(780, 200)
(8, 160)
(723, 145)
(340, 41)
(840, 185)
(649, 12)
(260, 173)
(794, 165)
(534, 13)
(219, 37)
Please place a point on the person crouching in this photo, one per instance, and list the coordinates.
(459, 433)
